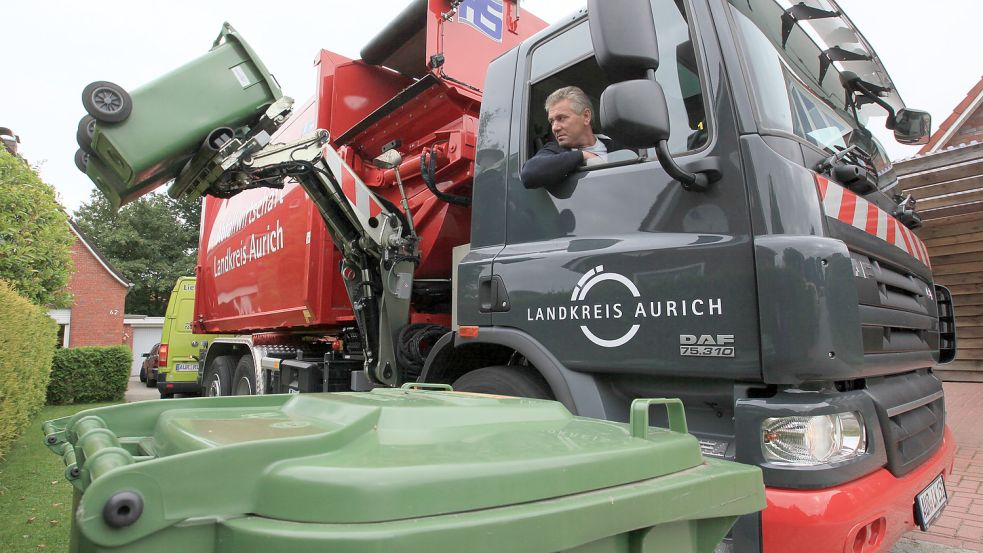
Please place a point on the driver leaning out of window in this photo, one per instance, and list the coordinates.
(574, 145)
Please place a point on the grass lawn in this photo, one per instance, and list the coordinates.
(35, 498)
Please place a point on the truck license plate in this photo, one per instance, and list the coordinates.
(185, 367)
(930, 502)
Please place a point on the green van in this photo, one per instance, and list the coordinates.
(180, 349)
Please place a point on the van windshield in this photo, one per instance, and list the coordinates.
(794, 55)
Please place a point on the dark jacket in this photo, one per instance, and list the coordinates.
(553, 163)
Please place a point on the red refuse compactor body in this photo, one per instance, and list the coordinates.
(266, 262)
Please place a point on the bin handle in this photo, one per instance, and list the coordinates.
(226, 31)
(639, 420)
(426, 386)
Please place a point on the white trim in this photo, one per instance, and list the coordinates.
(62, 317)
(144, 322)
(951, 131)
(98, 258)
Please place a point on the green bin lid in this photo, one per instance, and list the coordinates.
(391, 454)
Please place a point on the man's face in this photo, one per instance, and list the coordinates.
(571, 129)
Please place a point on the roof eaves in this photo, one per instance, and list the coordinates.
(952, 123)
(98, 255)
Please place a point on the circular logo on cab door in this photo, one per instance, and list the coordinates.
(584, 285)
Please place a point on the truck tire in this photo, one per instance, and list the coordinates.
(218, 377)
(507, 381)
(244, 381)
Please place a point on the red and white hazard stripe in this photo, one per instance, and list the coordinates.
(357, 192)
(853, 210)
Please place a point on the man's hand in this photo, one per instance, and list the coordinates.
(591, 158)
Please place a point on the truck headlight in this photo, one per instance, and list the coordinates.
(819, 440)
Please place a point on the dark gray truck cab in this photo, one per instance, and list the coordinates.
(779, 305)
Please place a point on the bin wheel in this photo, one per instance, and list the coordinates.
(244, 381)
(505, 380)
(107, 102)
(218, 377)
(81, 160)
(87, 127)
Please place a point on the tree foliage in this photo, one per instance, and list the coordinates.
(152, 241)
(35, 240)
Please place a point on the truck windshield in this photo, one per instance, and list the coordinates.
(794, 94)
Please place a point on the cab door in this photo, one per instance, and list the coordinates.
(618, 269)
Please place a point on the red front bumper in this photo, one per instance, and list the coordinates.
(864, 516)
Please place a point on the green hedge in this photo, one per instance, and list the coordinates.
(27, 343)
(89, 374)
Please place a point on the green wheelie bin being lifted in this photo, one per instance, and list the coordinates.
(131, 143)
(397, 470)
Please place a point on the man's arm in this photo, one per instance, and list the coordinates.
(551, 164)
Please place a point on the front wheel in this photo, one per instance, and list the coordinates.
(218, 377)
(507, 381)
(244, 381)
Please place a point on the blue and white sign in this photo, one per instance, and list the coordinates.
(488, 16)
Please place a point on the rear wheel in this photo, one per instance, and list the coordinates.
(244, 381)
(87, 128)
(143, 374)
(107, 102)
(218, 377)
(82, 160)
(507, 381)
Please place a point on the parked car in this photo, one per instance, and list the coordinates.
(148, 370)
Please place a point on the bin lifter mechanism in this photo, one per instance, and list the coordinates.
(379, 252)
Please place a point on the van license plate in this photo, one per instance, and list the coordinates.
(930, 502)
(193, 367)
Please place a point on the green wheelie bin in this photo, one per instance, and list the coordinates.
(144, 138)
(392, 470)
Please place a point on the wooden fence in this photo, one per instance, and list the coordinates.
(948, 189)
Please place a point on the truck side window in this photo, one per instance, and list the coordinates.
(567, 59)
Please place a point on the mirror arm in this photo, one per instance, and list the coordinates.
(892, 117)
(694, 182)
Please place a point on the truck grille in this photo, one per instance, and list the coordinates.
(912, 413)
(897, 310)
(947, 324)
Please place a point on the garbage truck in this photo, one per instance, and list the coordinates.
(747, 252)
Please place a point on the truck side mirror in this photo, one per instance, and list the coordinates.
(912, 126)
(624, 37)
(635, 113)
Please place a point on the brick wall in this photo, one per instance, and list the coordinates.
(128, 336)
(97, 312)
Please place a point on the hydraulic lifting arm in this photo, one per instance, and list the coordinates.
(376, 240)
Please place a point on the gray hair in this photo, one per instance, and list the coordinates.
(578, 100)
